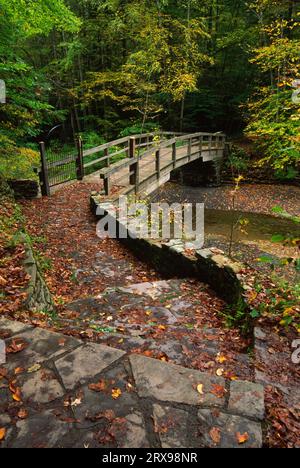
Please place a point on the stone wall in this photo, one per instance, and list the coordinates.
(28, 189)
(174, 259)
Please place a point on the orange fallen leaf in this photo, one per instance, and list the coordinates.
(99, 387)
(221, 359)
(218, 390)
(215, 435)
(19, 370)
(242, 438)
(17, 395)
(16, 346)
(116, 393)
(3, 281)
(2, 433)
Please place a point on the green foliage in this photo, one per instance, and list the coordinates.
(238, 316)
(16, 162)
(113, 68)
(138, 128)
(274, 122)
(238, 160)
(28, 93)
(281, 303)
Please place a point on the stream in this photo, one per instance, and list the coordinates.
(249, 243)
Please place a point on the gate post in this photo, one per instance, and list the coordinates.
(79, 160)
(44, 177)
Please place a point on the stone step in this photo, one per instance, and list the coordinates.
(161, 320)
(275, 363)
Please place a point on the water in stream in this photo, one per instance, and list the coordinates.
(250, 243)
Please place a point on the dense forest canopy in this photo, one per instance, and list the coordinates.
(104, 68)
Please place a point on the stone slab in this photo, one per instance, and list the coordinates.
(171, 425)
(42, 345)
(86, 362)
(11, 327)
(41, 387)
(171, 383)
(221, 430)
(41, 430)
(247, 399)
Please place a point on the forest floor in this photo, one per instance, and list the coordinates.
(181, 323)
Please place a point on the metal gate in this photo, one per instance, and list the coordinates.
(58, 168)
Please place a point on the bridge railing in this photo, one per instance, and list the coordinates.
(111, 152)
(138, 168)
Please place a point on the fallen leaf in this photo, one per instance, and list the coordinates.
(215, 435)
(19, 370)
(218, 390)
(34, 368)
(200, 389)
(220, 372)
(99, 387)
(221, 359)
(242, 438)
(76, 402)
(17, 395)
(3, 281)
(116, 393)
(16, 346)
(2, 433)
(3, 372)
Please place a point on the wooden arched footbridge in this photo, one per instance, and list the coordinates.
(137, 163)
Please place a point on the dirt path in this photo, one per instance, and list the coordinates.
(81, 264)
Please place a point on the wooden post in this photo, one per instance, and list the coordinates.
(106, 154)
(134, 167)
(190, 149)
(200, 145)
(157, 163)
(44, 177)
(107, 185)
(174, 154)
(132, 146)
(79, 160)
(210, 144)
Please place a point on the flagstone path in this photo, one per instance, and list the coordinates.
(76, 394)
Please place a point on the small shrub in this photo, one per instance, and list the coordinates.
(16, 162)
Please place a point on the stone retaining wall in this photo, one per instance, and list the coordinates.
(174, 259)
(28, 189)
